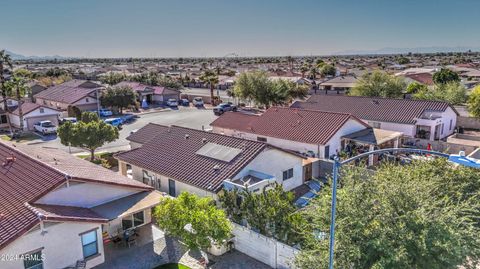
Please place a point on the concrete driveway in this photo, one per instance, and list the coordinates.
(183, 116)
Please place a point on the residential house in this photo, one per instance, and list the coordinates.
(151, 94)
(11, 105)
(35, 88)
(309, 132)
(176, 159)
(51, 208)
(339, 85)
(79, 93)
(431, 120)
(33, 113)
(422, 78)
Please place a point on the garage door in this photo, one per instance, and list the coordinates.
(31, 121)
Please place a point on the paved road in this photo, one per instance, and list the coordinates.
(185, 116)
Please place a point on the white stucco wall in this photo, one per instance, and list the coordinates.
(274, 162)
(62, 245)
(85, 194)
(35, 116)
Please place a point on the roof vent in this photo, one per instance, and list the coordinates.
(216, 168)
(375, 102)
(204, 140)
(187, 136)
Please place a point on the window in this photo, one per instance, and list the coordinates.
(44, 102)
(87, 100)
(288, 174)
(261, 139)
(146, 177)
(326, 155)
(33, 260)
(89, 243)
(134, 220)
(451, 123)
(42, 110)
(3, 119)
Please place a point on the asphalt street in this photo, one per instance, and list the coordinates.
(183, 116)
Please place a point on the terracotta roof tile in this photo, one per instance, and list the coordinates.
(68, 92)
(172, 153)
(307, 126)
(372, 108)
(146, 133)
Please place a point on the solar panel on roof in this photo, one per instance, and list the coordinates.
(218, 152)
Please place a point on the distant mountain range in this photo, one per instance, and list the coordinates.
(407, 50)
(16, 56)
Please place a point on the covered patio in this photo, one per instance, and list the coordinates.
(369, 140)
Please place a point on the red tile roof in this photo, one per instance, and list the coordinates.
(69, 92)
(139, 87)
(307, 126)
(28, 177)
(423, 78)
(146, 133)
(172, 153)
(404, 111)
(29, 107)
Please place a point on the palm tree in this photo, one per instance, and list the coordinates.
(303, 70)
(18, 88)
(313, 73)
(5, 60)
(290, 62)
(210, 77)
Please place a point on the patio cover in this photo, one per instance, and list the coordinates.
(128, 205)
(373, 136)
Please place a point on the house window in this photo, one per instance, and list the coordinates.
(44, 102)
(3, 119)
(89, 243)
(87, 100)
(33, 260)
(288, 174)
(134, 220)
(451, 123)
(326, 154)
(261, 139)
(146, 177)
(42, 110)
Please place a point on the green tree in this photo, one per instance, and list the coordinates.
(90, 133)
(416, 87)
(113, 78)
(303, 70)
(208, 223)
(119, 97)
(474, 102)
(328, 70)
(403, 60)
(452, 92)
(423, 215)
(271, 212)
(211, 78)
(379, 84)
(5, 60)
(444, 76)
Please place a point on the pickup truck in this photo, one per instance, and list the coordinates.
(224, 107)
(45, 127)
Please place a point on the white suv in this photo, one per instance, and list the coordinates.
(197, 101)
(45, 127)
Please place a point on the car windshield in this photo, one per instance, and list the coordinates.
(47, 124)
(172, 100)
(198, 99)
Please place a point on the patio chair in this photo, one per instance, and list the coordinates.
(132, 240)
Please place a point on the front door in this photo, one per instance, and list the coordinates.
(171, 187)
(307, 172)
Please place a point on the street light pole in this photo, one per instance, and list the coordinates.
(459, 159)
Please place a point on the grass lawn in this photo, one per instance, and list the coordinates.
(25, 137)
(172, 266)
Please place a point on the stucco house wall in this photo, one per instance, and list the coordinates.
(61, 244)
(35, 116)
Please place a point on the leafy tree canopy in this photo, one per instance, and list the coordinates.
(90, 133)
(474, 102)
(208, 223)
(328, 70)
(119, 97)
(452, 92)
(415, 87)
(379, 84)
(422, 215)
(444, 76)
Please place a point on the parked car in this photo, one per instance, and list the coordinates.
(172, 102)
(69, 119)
(224, 107)
(45, 127)
(126, 118)
(105, 112)
(184, 102)
(117, 122)
(197, 101)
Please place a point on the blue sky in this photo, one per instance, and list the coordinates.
(180, 28)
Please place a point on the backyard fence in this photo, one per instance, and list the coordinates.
(262, 248)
